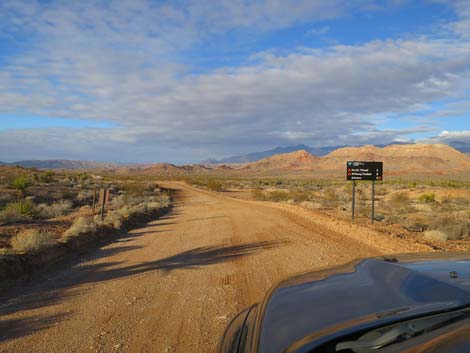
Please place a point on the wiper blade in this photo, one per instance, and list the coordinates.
(384, 336)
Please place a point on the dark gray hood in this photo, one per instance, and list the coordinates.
(310, 309)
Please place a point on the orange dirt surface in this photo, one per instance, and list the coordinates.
(173, 285)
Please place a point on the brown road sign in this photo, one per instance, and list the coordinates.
(357, 170)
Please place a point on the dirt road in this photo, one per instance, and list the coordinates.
(173, 285)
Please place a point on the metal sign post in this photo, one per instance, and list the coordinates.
(372, 216)
(364, 171)
(353, 200)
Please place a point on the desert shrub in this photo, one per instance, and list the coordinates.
(80, 226)
(400, 200)
(5, 251)
(56, 209)
(126, 200)
(257, 194)
(330, 198)
(435, 235)
(85, 195)
(159, 202)
(452, 201)
(447, 200)
(381, 191)
(414, 223)
(113, 218)
(276, 196)
(6, 197)
(32, 240)
(116, 218)
(453, 226)
(137, 188)
(427, 198)
(21, 183)
(299, 196)
(18, 211)
(47, 177)
(311, 205)
(462, 201)
(11, 216)
(450, 183)
(214, 185)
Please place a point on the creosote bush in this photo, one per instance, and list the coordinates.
(427, 198)
(81, 225)
(214, 185)
(400, 200)
(435, 235)
(31, 240)
(56, 209)
(115, 218)
(257, 194)
(18, 211)
(330, 198)
(453, 226)
(311, 205)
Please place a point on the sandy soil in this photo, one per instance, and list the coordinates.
(173, 285)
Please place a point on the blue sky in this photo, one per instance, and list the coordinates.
(180, 81)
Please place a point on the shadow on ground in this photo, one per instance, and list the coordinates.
(63, 284)
(14, 328)
(191, 259)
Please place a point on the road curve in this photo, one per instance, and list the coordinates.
(173, 285)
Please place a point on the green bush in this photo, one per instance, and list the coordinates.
(18, 211)
(299, 196)
(277, 196)
(115, 218)
(257, 194)
(138, 188)
(427, 198)
(47, 177)
(21, 183)
(214, 185)
(56, 209)
(80, 226)
(400, 200)
(32, 240)
(454, 226)
(311, 205)
(435, 235)
(330, 198)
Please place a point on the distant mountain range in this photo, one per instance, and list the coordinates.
(256, 156)
(399, 159)
(435, 159)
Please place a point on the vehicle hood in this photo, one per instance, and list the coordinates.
(310, 309)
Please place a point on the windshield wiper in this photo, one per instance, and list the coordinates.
(378, 338)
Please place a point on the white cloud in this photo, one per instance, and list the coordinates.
(458, 139)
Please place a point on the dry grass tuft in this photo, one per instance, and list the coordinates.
(80, 226)
(56, 209)
(31, 240)
(311, 205)
(435, 235)
(18, 211)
